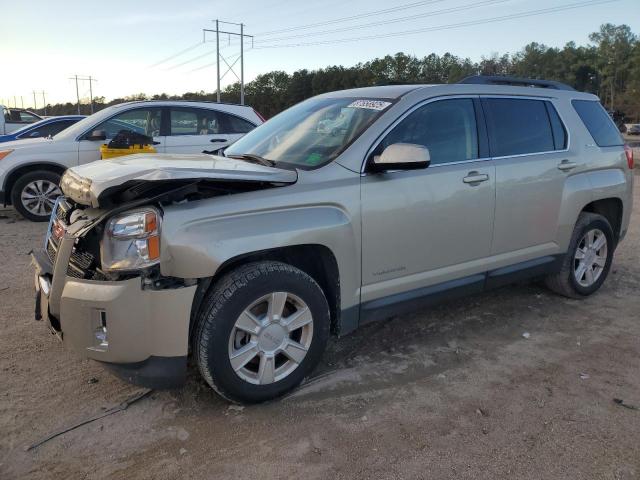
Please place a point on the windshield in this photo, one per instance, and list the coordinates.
(311, 133)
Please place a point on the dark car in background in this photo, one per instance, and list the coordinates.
(47, 127)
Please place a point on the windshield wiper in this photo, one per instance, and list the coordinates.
(249, 157)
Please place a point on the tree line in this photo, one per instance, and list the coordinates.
(609, 67)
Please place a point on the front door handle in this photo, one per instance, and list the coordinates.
(566, 165)
(475, 177)
(216, 140)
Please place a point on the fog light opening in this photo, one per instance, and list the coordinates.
(101, 331)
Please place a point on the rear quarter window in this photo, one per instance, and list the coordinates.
(598, 122)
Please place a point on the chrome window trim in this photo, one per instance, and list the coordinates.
(473, 160)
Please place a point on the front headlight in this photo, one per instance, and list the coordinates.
(4, 153)
(76, 187)
(132, 240)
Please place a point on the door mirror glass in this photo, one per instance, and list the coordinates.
(402, 156)
(97, 135)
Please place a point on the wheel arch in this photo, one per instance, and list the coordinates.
(18, 171)
(612, 209)
(316, 260)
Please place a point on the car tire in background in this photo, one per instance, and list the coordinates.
(34, 194)
(588, 259)
(260, 331)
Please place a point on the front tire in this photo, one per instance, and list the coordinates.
(588, 259)
(34, 194)
(261, 330)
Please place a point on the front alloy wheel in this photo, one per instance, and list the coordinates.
(271, 338)
(34, 194)
(38, 197)
(260, 331)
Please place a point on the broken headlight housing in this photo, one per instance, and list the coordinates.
(76, 187)
(131, 240)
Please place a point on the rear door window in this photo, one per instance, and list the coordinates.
(194, 121)
(518, 126)
(27, 117)
(598, 122)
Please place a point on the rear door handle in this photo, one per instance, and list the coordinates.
(475, 177)
(566, 165)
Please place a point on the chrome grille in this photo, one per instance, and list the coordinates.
(80, 262)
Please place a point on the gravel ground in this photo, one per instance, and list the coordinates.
(457, 391)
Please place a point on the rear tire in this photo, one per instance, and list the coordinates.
(588, 259)
(33, 194)
(260, 331)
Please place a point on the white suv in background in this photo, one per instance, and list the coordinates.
(30, 170)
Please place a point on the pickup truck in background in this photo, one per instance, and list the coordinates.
(11, 119)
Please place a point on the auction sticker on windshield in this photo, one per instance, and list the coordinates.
(369, 104)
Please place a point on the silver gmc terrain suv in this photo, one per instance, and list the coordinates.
(349, 207)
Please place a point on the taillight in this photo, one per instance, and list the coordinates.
(629, 153)
(259, 116)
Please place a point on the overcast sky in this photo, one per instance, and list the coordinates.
(44, 42)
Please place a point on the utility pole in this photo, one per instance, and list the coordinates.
(90, 95)
(242, 64)
(35, 105)
(89, 79)
(218, 60)
(219, 57)
(21, 101)
(44, 103)
(78, 94)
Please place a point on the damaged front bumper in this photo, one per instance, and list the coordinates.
(140, 333)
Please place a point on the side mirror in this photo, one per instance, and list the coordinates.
(402, 156)
(97, 135)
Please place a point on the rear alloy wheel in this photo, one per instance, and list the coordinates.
(33, 195)
(260, 331)
(588, 259)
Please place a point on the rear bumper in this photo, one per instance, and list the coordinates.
(140, 334)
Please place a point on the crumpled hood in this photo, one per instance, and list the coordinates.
(87, 183)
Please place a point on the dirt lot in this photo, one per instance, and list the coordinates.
(453, 392)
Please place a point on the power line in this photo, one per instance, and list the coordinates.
(209, 52)
(445, 27)
(352, 17)
(171, 57)
(432, 13)
(233, 57)
(198, 57)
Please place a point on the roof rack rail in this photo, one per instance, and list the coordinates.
(514, 81)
